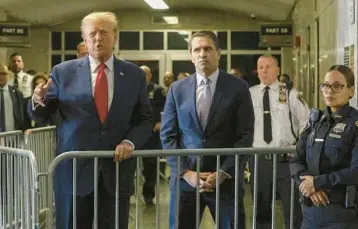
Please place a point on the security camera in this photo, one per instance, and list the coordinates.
(253, 16)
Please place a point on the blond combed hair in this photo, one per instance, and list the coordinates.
(4, 69)
(106, 16)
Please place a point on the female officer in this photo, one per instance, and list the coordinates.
(326, 167)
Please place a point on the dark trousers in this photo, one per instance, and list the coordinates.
(187, 208)
(333, 216)
(283, 189)
(150, 167)
(85, 212)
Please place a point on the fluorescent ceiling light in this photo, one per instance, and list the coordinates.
(184, 33)
(171, 19)
(157, 4)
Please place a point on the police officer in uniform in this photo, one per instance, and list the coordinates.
(326, 166)
(20, 79)
(157, 100)
(280, 114)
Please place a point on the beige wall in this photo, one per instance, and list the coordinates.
(335, 31)
(38, 55)
(197, 19)
(3, 51)
(317, 27)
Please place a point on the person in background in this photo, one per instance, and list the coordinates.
(31, 72)
(82, 50)
(168, 80)
(20, 79)
(182, 75)
(326, 166)
(39, 78)
(284, 78)
(280, 116)
(236, 72)
(157, 101)
(11, 104)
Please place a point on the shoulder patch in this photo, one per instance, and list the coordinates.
(356, 123)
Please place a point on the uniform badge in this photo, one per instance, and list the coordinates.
(151, 95)
(339, 127)
(282, 98)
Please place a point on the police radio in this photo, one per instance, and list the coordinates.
(289, 86)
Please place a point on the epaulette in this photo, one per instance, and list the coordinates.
(299, 97)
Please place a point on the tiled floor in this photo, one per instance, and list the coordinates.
(148, 213)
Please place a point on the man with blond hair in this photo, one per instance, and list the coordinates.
(103, 105)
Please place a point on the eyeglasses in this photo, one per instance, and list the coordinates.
(336, 87)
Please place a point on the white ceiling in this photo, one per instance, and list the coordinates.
(51, 12)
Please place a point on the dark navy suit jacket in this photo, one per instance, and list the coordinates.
(80, 129)
(230, 123)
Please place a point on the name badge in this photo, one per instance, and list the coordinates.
(319, 140)
(335, 136)
(282, 98)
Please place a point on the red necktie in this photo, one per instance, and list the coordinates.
(101, 93)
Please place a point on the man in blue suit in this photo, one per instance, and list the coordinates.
(103, 105)
(209, 109)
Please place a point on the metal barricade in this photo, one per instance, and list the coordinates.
(42, 141)
(18, 182)
(236, 152)
(13, 139)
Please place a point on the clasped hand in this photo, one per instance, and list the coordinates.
(207, 180)
(307, 189)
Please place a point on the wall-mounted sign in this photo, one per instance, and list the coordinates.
(348, 57)
(14, 34)
(351, 11)
(276, 35)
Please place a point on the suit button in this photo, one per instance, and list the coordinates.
(204, 140)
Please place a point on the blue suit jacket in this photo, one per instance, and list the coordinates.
(80, 129)
(230, 123)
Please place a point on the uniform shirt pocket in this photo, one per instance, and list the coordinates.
(333, 148)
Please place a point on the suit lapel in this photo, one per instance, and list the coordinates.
(13, 97)
(191, 99)
(14, 105)
(219, 90)
(84, 78)
(119, 88)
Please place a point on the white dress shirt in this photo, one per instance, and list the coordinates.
(24, 81)
(281, 126)
(9, 111)
(94, 66)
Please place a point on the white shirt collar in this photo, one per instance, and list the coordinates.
(6, 87)
(274, 86)
(213, 77)
(94, 63)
